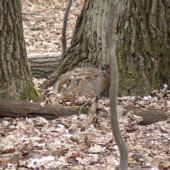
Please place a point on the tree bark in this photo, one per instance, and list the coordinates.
(142, 45)
(114, 86)
(91, 113)
(64, 40)
(149, 116)
(14, 108)
(15, 76)
(42, 65)
(88, 45)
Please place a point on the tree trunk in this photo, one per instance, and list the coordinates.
(143, 48)
(15, 77)
(88, 45)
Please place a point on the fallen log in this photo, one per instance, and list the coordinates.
(13, 108)
(149, 116)
(42, 65)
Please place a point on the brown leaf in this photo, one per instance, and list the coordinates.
(87, 141)
(75, 139)
(58, 152)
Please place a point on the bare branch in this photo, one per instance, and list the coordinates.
(114, 86)
(64, 41)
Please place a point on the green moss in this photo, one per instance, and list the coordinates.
(148, 8)
(12, 98)
(138, 45)
(147, 66)
(83, 110)
(27, 109)
(127, 42)
(156, 47)
(121, 48)
(5, 96)
(30, 92)
(17, 30)
(152, 78)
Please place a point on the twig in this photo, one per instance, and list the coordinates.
(64, 42)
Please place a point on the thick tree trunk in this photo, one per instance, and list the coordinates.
(88, 46)
(143, 47)
(15, 77)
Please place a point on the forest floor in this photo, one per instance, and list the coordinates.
(62, 144)
(43, 22)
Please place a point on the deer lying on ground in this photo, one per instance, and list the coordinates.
(84, 80)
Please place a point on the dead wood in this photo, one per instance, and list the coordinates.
(149, 116)
(42, 65)
(31, 13)
(37, 28)
(13, 108)
(57, 152)
(91, 113)
(64, 41)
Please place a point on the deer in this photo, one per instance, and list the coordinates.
(84, 80)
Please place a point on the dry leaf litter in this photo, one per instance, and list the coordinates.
(37, 143)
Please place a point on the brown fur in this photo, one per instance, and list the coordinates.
(85, 80)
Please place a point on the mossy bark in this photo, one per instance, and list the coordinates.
(15, 76)
(142, 45)
(88, 45)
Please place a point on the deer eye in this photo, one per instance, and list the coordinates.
(69, 80)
